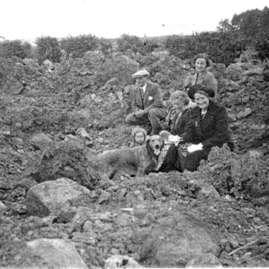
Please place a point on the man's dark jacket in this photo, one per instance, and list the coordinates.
(150, 99)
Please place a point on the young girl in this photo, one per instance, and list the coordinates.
(139, 136)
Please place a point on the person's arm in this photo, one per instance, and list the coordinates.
(187, 83)
(135, 105)
(182, 123)
(189, 132)
(211, 82)
(168, 117)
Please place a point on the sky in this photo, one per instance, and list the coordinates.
(30, 19)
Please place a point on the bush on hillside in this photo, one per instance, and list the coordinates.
(105, 45)
(223, 47)
(149, 45)
(253, 26)
(16, 48)
(261, 45)
(77, 46)
(126, 42)
(48, 48)
(136, 44)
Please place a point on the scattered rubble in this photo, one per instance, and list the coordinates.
(55, 209)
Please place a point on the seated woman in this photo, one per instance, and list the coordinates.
(207, 127)
(202, 76)
(178, 115)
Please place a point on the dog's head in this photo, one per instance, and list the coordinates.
(155, 144)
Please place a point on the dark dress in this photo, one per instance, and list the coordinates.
(177, 123)
(211, 130)
(171, 161)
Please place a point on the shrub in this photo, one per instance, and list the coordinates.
(149, 46)
(223, 47)
(136, 44)
(126, 42)
(77, 46)
(105, 45)
(16, 48)
(48, 48)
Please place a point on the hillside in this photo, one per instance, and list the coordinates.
(57, 210)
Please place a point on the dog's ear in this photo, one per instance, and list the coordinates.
(162, 141)
(164, 135)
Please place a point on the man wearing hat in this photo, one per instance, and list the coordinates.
(147, 103)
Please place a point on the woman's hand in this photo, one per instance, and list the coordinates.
(193, 147)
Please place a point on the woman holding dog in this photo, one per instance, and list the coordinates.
(207, 127)
(202, 76)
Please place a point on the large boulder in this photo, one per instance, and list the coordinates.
(51, 196)
(66, 159)
(178, 239)
(54, 254)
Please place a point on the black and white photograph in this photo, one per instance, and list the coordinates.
(134, 134)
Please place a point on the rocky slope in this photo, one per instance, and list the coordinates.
(54, 121)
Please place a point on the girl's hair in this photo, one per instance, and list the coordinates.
(180, 95)
(139, 130)
(203, 56)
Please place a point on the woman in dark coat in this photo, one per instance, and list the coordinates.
(207, 127)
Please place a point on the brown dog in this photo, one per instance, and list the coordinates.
(136, 161)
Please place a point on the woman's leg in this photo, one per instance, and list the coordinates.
(193, 159)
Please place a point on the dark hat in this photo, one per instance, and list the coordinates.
(200, 89)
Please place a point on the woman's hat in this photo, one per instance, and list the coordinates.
(200, 89)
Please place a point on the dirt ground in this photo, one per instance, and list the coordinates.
(93, 93)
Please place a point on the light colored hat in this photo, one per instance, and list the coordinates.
(140, 73)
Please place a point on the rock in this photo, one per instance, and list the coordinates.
(50, 196)
(206, 189)
(25, 183)
(82, 215)
(75, 141)
(111, 82)
(83, 134)
(49, 65)
(55, 253)
(120, 261)
(245, 113)
(124, 220)
(3, 208)
(160, 54)
(104, 197)
(205, 260)
(41, 141)
(178, 239)
(253, 71)
(86, 100)
(234, 68)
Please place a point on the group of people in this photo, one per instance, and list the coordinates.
(195, 118)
